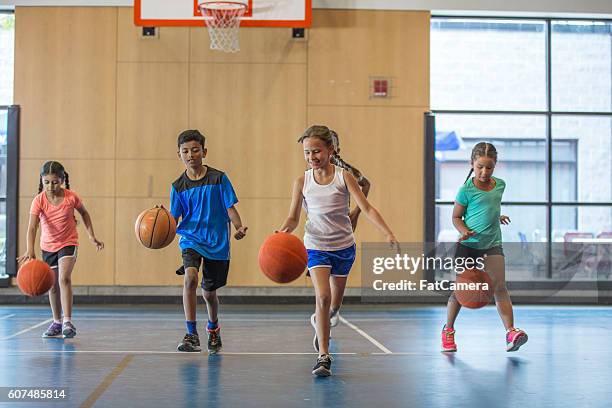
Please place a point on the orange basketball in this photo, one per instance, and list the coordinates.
(155, 227)
(35, 278)
(282, 257)
(476, 297)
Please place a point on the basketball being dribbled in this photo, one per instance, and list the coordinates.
(282, 257)
(155, 227)
(35, 278)
(478, 296)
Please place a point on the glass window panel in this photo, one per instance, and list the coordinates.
(488, 64)
(7, 46)
(581, 66)
(582, 165)
(582, 246)
(521, 144)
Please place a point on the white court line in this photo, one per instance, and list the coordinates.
(226, 353)
(28, 329)
(7, 316)
(366, 335)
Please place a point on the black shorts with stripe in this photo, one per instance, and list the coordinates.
(52, 258)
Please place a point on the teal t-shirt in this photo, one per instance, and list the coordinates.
(482, 211)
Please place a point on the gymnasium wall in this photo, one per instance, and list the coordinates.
(109, 105)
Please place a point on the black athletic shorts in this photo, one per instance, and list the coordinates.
(52, 258)
(464, 251)
(214, 272)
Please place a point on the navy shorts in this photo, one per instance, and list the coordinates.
(340, 261)
(52, 258)
(214, 272)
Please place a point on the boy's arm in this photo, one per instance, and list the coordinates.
(293, 219)
(89, 226)
(241, 230)
(367, 208)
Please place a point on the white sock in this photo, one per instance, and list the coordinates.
(67, 319)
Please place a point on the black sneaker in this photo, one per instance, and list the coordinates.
(190, 343)
(214, 340)
(323, 366)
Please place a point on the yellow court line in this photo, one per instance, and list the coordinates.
(93, 397)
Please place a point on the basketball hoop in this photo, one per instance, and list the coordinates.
(222, 19)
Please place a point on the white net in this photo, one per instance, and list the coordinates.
(222, 19)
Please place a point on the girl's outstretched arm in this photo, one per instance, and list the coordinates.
(293, 219)
(87, 221)
(31, 237)
(367, 208)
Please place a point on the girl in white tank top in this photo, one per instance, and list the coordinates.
(323, 191)
(328, 227)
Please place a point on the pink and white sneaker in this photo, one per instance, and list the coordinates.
(515, 338)
(448, 340)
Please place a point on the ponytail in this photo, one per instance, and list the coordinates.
(469, 174)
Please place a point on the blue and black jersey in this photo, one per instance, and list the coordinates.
(202, 207)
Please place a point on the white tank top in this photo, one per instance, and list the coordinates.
(328, 227)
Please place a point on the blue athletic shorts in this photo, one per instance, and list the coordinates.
(340, 261)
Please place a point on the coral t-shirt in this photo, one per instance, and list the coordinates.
(57, 222)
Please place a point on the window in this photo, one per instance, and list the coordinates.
(540, 90)
(7, 44)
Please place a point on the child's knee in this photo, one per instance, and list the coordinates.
(210, 296)
(324, 300)
(190, 281)
(65, 280)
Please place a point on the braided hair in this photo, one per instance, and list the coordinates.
(338, 161)
(56, 168)
(482, 149)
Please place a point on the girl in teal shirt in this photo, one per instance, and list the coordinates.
(477, 217)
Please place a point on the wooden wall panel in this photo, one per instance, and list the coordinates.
(110, 105)
(148, 178)
(171, 45)
(65, 81)
(252, 116)
(151, 109)
(257, 45)
(89, 178)
(346, 47)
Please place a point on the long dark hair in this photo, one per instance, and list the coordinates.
(56, 168)
(482, 149)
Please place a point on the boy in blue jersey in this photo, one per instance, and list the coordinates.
(203, 198)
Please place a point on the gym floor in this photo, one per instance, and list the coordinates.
(125, 356)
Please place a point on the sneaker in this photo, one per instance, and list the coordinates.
(334, 318)
(515, 338)
(322, 367)
(214, 340)
(54, 330)
(448, 340)
(68, 330)
(190, 343)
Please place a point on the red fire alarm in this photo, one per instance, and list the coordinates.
(379, 87)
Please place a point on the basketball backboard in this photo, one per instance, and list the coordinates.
(259, 13)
